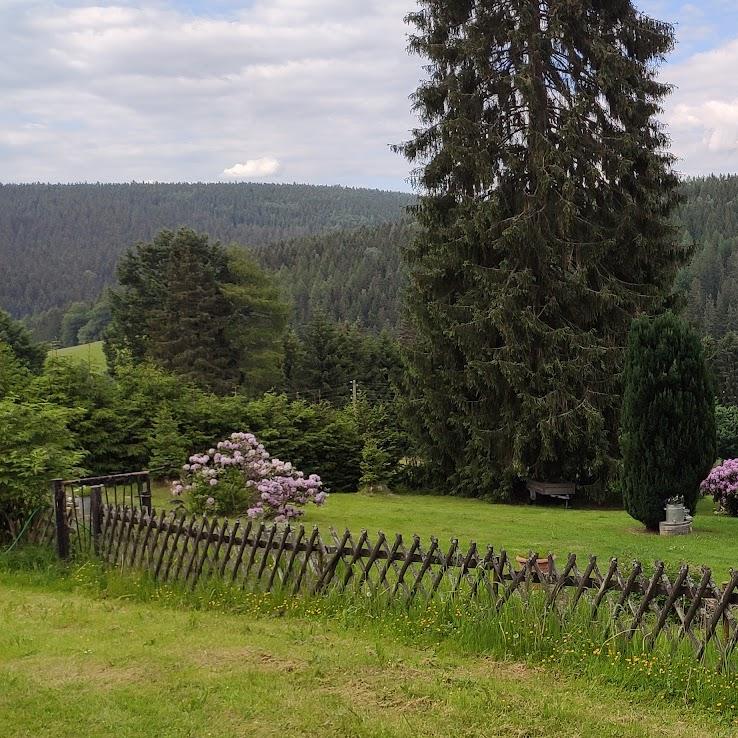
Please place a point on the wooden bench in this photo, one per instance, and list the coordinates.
(559, 490)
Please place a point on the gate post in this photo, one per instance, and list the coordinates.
(146, 494)
(60, 518)
(96, 517)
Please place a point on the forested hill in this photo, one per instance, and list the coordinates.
(355, 275)
(61, 243)
(333, 247)
(709, 215)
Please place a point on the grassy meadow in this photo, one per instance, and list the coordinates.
(541, 527)
(77, 661)
(519, 529)
(86, 353)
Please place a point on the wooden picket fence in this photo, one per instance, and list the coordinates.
(258, 556)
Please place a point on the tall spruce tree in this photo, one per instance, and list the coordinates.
(189, 327)
(546, 193)
(668, 422)
(207, 313)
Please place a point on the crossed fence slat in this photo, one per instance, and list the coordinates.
(270, 557)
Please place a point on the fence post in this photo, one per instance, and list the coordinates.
(146, 494)
(96, 517)
(60, 517)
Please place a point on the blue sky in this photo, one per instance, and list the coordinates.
(276, 90)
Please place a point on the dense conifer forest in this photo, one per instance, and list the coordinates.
(332, 248)
(61, 243)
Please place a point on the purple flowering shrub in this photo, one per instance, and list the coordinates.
(722, 484)
(240, 476)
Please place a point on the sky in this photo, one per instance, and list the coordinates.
(274, 90)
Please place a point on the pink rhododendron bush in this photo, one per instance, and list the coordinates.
(722, 484)
(239, 476)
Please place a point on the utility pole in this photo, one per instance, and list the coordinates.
(354, 393)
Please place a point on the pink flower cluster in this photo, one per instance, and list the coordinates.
(722, 484)
(274, 488)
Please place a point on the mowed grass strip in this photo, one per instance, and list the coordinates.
(542, 528)
(87, 353)
(71, 665)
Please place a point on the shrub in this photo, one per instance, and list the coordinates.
(167, 447)
(668, 419)
(240, 476)
(35, 447)
(726, 422)
(375, 471)
(722, 484)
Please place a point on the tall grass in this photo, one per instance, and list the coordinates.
(525, 630)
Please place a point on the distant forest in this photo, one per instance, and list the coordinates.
(60, 243)
(332, 248)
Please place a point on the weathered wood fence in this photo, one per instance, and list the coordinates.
(258, 556)
(112, 518)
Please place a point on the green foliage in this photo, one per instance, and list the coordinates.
(101, 426)
(539, 240)
(256, 325)
(375, 467)
(327, 357)
(726, 423)
(211, 316)
(13, 375)
(73, 235)
(722, 357)
(187, 328)
(15, 335)
(668, 418)
(355, 276)
(317, 438)
(168, 449)
(35, 447)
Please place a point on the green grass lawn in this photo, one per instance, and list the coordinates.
(76, 665)
(522, 528)
(542, 528)
(87, 353)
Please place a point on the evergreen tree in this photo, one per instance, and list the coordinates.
(189, 327)
(15, 335)
(722, 358)
(323, 369)
(168, 449)
(668, 419)
(209, 314)
(258, 319)
(544, 228)
(375, 467)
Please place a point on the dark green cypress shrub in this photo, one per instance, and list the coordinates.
(668, 418)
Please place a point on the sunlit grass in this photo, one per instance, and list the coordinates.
(91, 652)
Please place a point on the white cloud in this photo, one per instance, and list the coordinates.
(136, 89)
(147, 91)
(253, 169)
(702, 113)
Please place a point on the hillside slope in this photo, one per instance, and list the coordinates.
(60, 243)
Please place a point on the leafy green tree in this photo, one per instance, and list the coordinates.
(375, 467)
(75, 318)
(101, 427)
(668, 418)
(35, 446)
(257, 322)
(15, 335)
(188, 328)
(168, 449)
(544, 228)
(208, 314)
(14, 377)
(726, 422)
